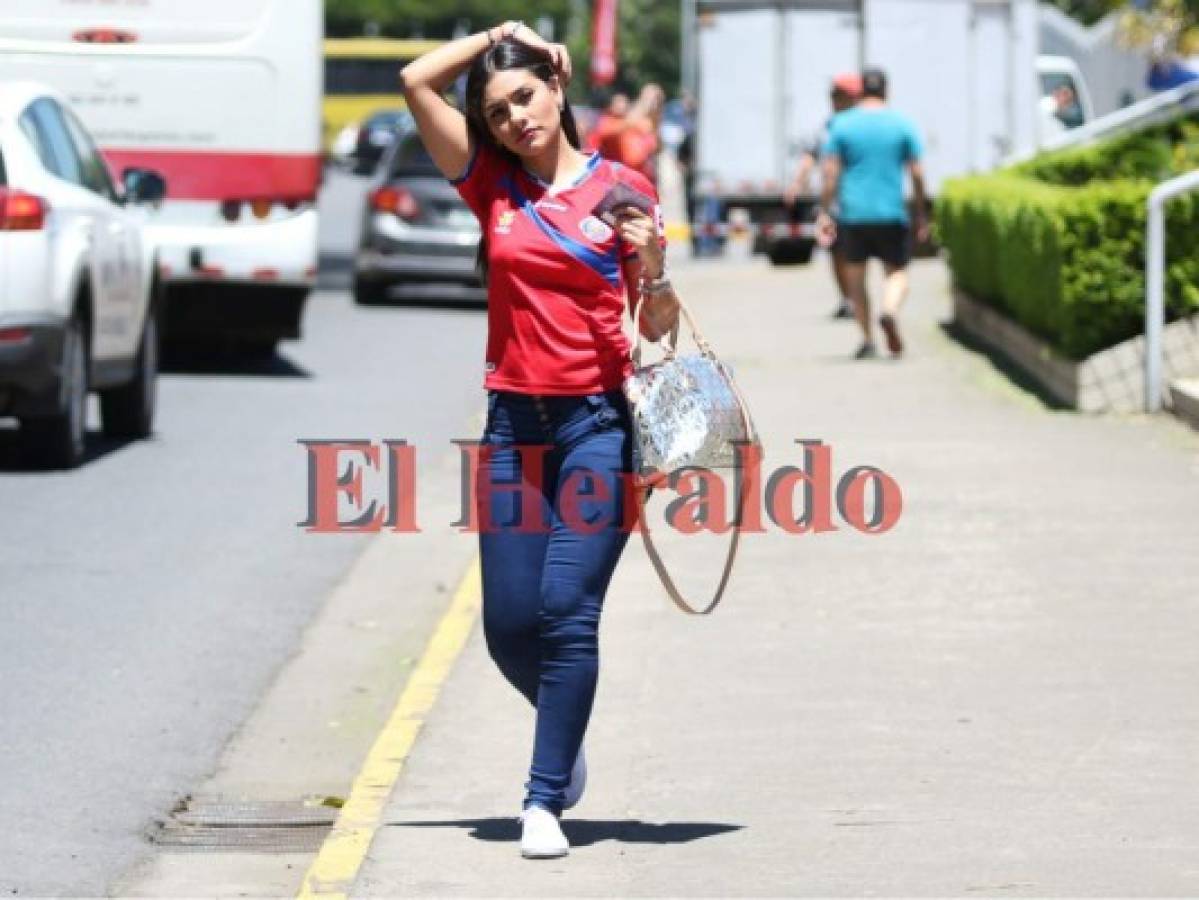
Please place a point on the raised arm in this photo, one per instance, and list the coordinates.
(426, 79)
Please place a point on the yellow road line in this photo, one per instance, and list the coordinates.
(336, 866)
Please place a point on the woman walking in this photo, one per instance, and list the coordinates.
(560, 281)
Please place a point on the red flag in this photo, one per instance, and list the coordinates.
(603, 42)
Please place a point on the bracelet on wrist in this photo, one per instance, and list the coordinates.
(655, 286)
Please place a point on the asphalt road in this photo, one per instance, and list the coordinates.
(148, 598)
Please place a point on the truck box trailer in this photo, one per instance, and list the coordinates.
(963, 70)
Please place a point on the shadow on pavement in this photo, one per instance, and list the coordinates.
(14, 460)
(585, 832)
(200, 360)
(1004, 366)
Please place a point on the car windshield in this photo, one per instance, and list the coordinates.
(411, 158)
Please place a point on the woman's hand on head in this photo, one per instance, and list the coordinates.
(559, 55)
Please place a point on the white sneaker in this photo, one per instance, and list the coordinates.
(541, 836)
(578, 781)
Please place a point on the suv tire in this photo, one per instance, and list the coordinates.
(58, 441)
(128, 411)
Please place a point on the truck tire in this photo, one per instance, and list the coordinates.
(128, 411)
(790, 251)
(59, 440)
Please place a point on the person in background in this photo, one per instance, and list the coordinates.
(639, 142)
(846, 91)
(1066, 106)
(605, 137)
(868, 149)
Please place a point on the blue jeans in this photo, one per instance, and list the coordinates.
(545, 576)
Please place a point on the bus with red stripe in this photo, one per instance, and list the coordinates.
(223, 98)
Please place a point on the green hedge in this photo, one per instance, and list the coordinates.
(1154, 154)
(1061, 249)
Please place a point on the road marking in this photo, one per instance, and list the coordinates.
(336, 866)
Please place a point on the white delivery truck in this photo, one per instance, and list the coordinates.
(222, 97)
(965, 71)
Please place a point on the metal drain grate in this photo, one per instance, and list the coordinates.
(223, 825)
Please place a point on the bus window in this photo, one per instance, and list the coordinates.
(346, 77)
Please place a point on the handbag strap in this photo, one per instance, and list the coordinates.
(654, 558)
(673, 343)
(660, 567)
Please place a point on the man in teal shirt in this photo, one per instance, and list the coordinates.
(867, 151)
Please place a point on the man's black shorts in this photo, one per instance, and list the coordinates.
(889, 241)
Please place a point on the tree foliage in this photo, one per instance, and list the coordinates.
(1088, 11)
(1165, 28)
(435, 18)
(648, 40)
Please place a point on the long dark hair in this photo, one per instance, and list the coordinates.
(500, 57)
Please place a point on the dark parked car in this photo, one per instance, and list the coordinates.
(375, 137)
(416, 231)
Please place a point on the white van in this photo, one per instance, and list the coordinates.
(222, 97)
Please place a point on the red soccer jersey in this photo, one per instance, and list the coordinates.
(556, 292)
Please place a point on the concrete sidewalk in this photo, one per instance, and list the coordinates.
(995, 698)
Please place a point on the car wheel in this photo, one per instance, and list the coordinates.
(58, 441)
(368, 292)
(128, 411)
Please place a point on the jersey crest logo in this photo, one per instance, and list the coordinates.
(503, 224)
(595, 229)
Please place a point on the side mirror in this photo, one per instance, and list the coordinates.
(143, 186)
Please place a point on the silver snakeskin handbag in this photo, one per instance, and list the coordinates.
(686, 412)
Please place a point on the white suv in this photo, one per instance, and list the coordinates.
(78, 285)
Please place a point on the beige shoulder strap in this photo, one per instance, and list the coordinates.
(660, 567)
(670, 347)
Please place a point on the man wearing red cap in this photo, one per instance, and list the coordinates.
(845, 92)
(868, 151)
